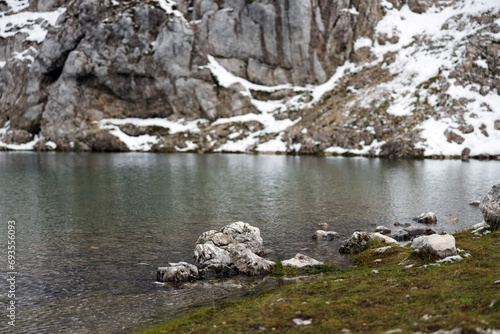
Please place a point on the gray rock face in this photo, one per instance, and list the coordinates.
(490, 207)
(177, 272)
(359, 242)
(135, 60)
(439, 245)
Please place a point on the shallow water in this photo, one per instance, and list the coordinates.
(93, 228)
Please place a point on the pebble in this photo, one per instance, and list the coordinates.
(300, 322)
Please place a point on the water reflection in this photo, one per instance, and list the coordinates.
(92, 228)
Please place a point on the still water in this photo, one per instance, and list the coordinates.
(91, 229)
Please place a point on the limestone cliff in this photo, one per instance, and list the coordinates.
(304, 76)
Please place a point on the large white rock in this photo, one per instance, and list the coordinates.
(439, 245)
(233, 249)
(177, 272)
(235, 233)
(301, 261)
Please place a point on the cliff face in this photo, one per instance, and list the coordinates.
(277, 75)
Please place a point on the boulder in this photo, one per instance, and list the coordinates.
(324, 235)
(232, 250)
(301, 261)
(247, 262)
(439, 245)
(427, 218)
(208, 254)
(177, 272)
(359, 242)
(490, 207)
(383, 230)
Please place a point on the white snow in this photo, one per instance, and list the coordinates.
(51, 144)
(352, 11)
(145, 142)
(17, 5)
(453, 258)
(190, 146)
(273, 145)
(362, 42)
(26, 22)
(174, 126)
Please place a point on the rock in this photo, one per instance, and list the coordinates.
(301, 261)
(475, 203)
(324, 235)
(359, 242)
(382, 230)
(208, 254)
(217, 271)
(300, 322)
(177, 272)
(401, 236)
(247, 262)
(427, 218)
(231, 250)
(414, 231)
(235, 233)
(439, 245)
(479, 225)
(324, 226)
(490, 207)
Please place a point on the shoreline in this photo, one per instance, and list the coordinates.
(373, 280)
(480, 157)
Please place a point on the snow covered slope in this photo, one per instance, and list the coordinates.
(424, 81)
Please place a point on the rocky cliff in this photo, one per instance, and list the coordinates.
(375, 77)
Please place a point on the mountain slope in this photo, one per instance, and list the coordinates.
(379, 78)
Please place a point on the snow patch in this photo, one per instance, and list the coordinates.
(26, 22)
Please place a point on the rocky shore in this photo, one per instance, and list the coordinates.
(238, 247)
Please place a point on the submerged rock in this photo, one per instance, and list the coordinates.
(300, 261)
(177, 272)
(490, 207)
(325, 235)
(439, 245)
(427, 218)
(359, 242)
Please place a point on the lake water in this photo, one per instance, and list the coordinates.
(91, 229)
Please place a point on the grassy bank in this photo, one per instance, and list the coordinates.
(411, 297)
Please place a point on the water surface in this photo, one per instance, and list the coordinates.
(92, 228)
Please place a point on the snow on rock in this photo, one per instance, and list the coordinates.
(30, 23)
